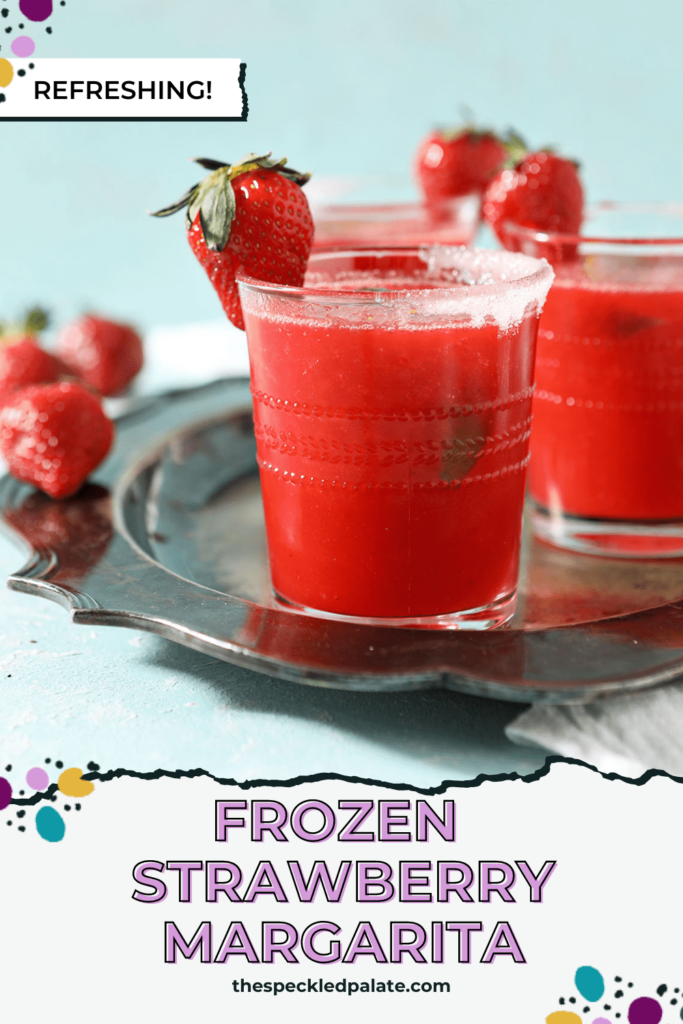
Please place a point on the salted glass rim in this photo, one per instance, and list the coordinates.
(674, 210)
(541, 271)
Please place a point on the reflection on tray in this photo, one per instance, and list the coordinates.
(77, 530)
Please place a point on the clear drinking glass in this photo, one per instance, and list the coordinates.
(606, 472)
(392, 409)
(449, 222)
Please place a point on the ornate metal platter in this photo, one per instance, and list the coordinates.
(168, 537)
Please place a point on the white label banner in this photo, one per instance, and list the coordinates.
(126, 89)
(556, 900)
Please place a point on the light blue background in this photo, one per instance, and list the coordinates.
(343, 89)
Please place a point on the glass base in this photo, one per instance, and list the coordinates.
(490, 616)
(611, 538)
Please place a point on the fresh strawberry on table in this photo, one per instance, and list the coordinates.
(543, 191)
(252, 217)
(22, 360)
(105, 354)
(457, 162)
(54, 435)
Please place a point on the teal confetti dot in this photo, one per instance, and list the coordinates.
(590, 983)
(50, 824)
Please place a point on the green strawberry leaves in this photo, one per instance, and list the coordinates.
(214, 201)
(174, 207)
(516, 147)
(210, 165)
(214, 198)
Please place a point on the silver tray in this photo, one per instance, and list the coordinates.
(168, 537)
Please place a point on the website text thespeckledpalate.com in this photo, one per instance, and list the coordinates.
(277, 988)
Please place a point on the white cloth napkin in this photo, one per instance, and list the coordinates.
(627, 735)
(191, 354)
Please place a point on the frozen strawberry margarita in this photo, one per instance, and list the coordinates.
(607, 455)
(392, 409)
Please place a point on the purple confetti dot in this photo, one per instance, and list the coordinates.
(37, 778)
(36, 10)
(645, 1011)
(23, 46)
(5, 793)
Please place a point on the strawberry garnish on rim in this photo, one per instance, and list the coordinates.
(542, 191)
(252, 217)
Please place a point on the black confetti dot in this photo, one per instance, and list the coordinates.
(49, 31)
(677, 990)
(9, 29)
(21, 73)
(617, 1015)
(2, 97)
(586, 1009)
(59, 764)
(618, 994)
(21, 26)
(571, 999)
(561, 1000)
(617, 979)
(8, 768)
(21, 792)
(5, 12)
(661, 989)
(53, 798)
(630, 985)
(47, 760)
(67, 807)
(22, 828)
(9, 822)
(673, 1002)
(77, 806)
(9, 675)
(607, 1006)
(21, 814)
(31, 67)
(92, 767)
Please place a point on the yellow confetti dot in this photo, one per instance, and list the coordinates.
(6, 72)
(71, 783)
(563, 1017)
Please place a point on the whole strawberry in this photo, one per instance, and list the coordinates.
(252, 217)
(54, 435)
(105, 354)
(23, 362)
(543, 192)
(455, 163)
